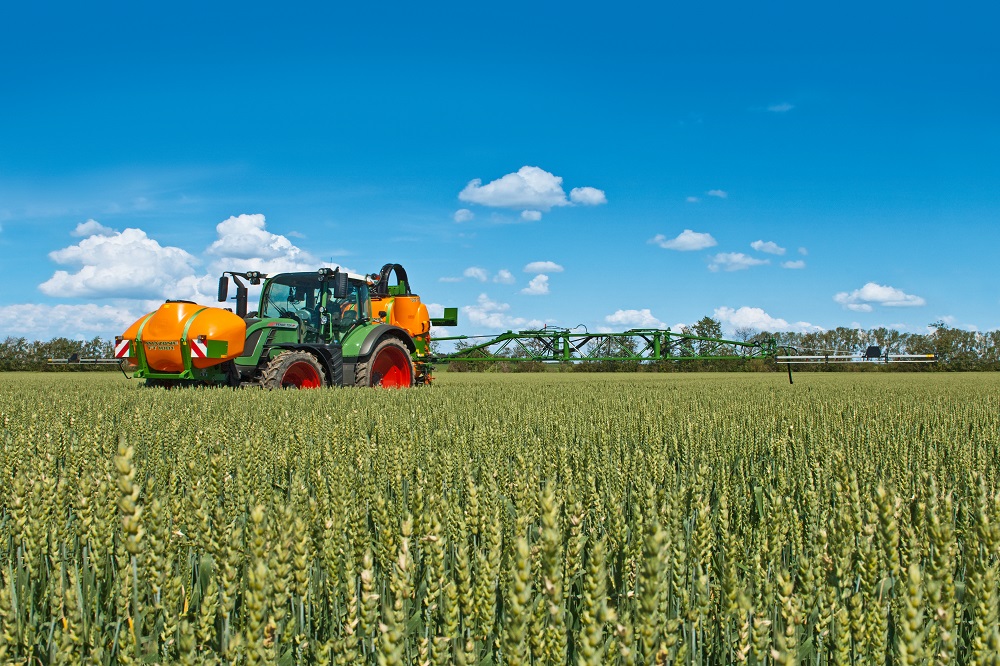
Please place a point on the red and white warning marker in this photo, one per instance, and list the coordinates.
(122, 348)
(199, 348)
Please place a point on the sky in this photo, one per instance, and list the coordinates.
(774, 165)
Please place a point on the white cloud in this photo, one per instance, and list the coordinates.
(531, 215)
(587, 196)
(476, 273)
(463, 215)
(860, 300)
(803, 251)
(692, 199)
(130, 264)
(543, 267)
(504, 276)
(721, 194)
(538, 286)
(244, 243)
(770, 247)
(126, 265)
(490, 314)
(529, 187)
(784, 107)
(734, 261)
(686, 241)
(798, 263)
(747, 317)
(637, 318)
(91, 228)
(244, 237)
(43, 322)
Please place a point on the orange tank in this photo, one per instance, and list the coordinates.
(407, 312)
(218, 334)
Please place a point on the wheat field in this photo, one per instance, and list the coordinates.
(503, 519)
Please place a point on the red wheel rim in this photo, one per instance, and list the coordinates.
(301, 375)
(391, 368)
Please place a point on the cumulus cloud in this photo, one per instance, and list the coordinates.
(530, 187)
(770, 247)
(798, 263)
(531, 215)
(128, 264)
(463, 215)
(747, 317)
(734, 261)
(636, 318)
(538, 286)
(543, 267)
(504, 276)
(92, 228)
(244, 243)
(861, 300)
(721, 194)
(587, 196)
(131, 265)
(476, 273)
(39, 321)
(784, 107)
(244, 237)
(692, 199)
(490, 314)
(685, 241)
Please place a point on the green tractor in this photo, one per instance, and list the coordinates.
(310, 329)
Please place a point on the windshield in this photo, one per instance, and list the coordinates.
(289, 294)
(301, 296)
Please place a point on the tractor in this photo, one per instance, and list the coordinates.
(310, 330)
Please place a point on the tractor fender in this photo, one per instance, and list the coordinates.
(381, 331)
(329, 357)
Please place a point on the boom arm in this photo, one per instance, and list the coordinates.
(639, 344)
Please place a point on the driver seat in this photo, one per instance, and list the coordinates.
(348, 318)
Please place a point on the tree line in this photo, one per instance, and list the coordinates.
(956, 349)
(22, 354)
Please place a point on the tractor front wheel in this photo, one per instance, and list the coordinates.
(293, 369)
(389, 365)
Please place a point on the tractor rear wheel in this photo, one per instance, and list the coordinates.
(293, 369)
(389, 365)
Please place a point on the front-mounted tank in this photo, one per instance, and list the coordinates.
(182, 340)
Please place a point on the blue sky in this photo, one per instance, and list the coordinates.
(774, 165)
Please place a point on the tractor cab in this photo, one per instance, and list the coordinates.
(325, 306)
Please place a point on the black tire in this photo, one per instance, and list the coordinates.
(293, 369)
(388, 365)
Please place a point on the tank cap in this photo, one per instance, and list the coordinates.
(169, 300)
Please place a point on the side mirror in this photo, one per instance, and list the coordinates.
(223, 289)
(341, 285)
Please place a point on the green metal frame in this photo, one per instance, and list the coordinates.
(639, 344)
